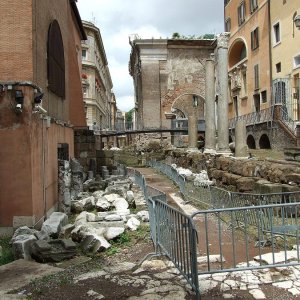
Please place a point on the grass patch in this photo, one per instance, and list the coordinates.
(7, 255)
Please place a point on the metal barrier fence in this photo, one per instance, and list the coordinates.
(256, 221)
(190, 191)
(236, 248)
(283, 219)
(173, 232)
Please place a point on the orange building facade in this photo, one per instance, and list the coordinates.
(249, 66)
(40, 101)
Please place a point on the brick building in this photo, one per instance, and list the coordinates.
(40, 58)
(169, 78)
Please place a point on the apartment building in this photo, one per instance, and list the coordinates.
(96, 79)
(249, 61)
(285, 54)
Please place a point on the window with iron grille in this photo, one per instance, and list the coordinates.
(255, 39)
(253, 6)
(56, 60)
(241, 13)
(256, 77)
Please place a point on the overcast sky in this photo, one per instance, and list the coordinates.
(117, 19)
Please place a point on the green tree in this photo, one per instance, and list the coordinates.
(176, 35)
(128, 116)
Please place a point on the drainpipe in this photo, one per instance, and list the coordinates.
(270, 50)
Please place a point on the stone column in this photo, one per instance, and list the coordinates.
(210, 122)
(115, 141)
(193, 131)
(222, 109)
(241, 148)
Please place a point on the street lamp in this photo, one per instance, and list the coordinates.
(297, 21)
(195, 101)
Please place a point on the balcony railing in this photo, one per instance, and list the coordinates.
(265, 115)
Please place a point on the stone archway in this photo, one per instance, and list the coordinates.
(251, 142)
(185, 104)
(264, 142)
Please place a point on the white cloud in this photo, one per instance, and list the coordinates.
(117, 19)
(125, 103)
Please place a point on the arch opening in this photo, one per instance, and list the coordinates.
(251, 142)
(264, 142)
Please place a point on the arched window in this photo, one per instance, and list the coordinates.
(237, 52)
(56, 60)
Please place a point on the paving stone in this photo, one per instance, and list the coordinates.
(212, 259)
(90, 275)
(207, 285)
(257, 294)
(294, 291)
(284, 284)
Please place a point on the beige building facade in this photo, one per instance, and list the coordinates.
(285, 52)
(249, 65)
(96, 79)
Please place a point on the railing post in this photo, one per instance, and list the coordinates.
(298, 135)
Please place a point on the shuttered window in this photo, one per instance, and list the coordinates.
(56, 60)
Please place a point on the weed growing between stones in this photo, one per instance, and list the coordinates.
(7, 255)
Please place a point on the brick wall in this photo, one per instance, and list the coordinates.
(16, 40)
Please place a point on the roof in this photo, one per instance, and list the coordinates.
(78, 19)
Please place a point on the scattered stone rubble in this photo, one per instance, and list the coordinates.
(103, 210)
(199, 179)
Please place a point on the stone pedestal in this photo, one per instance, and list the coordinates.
(193, 131)
(241, 148)
(210, 125)
(222, 75)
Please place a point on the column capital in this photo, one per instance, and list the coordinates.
(222, 40)
(211, 57)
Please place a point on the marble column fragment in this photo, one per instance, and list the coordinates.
(193, 131)
(222, 109)
(241, 148)
(210, 118)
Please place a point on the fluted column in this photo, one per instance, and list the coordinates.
(210, 118)
(222, 109)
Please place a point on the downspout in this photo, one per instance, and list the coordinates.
(270, 49)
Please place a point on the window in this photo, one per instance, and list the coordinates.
(228, 25)
(276, 32)
(278, 67)
(254, 39)
(241, 13)
(244, 84)
(297, 61)
(253, 5)
(55, 60)
(83, 54)
(63, 151)
(256, 77)
(226, 2)
(263, 96)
